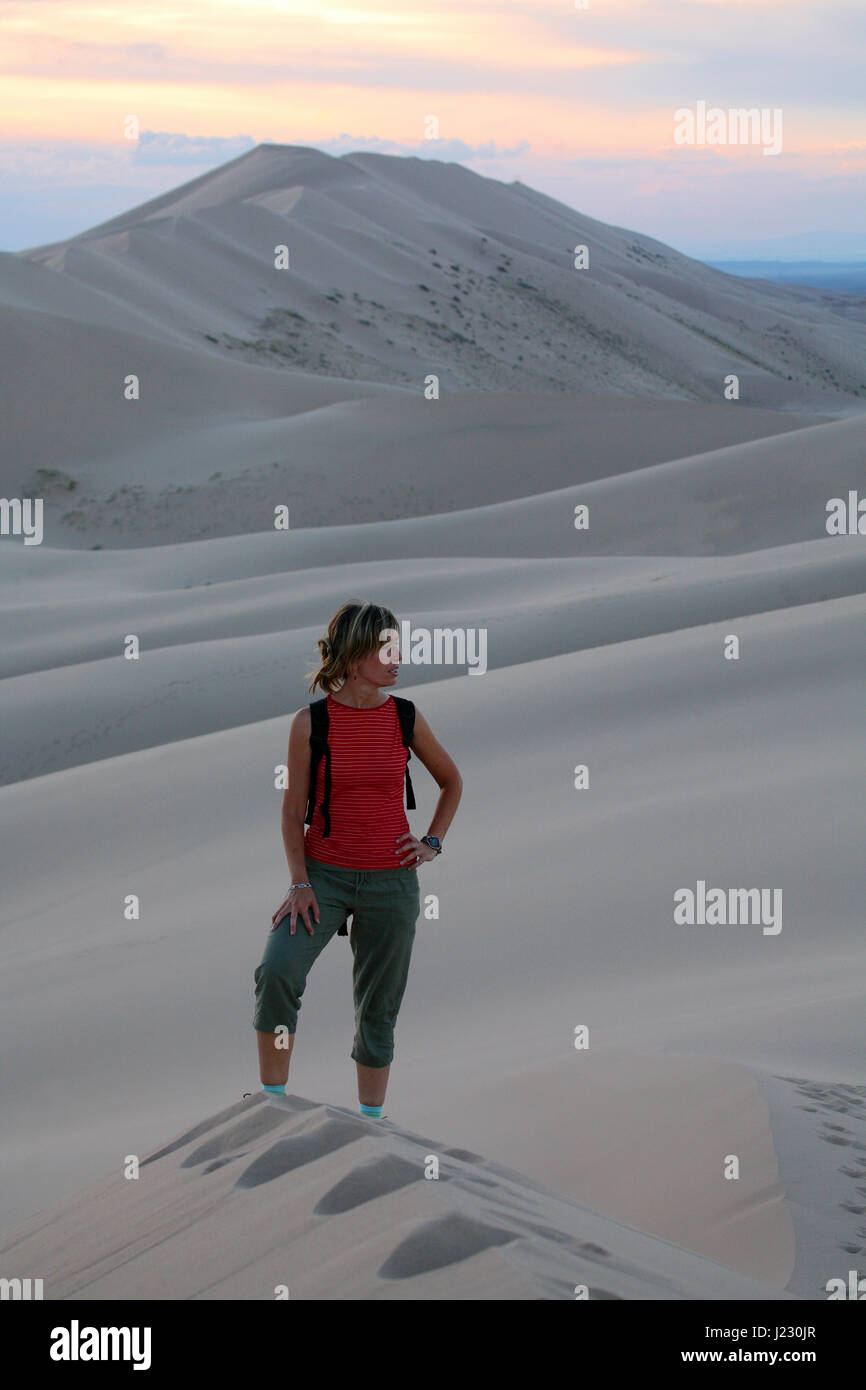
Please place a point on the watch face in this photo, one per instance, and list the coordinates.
(432, 841)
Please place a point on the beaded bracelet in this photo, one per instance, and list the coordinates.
(299, 885)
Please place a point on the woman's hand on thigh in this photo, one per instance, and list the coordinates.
(298, 902)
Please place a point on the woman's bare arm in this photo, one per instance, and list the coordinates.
(294, 806)
(443, 769)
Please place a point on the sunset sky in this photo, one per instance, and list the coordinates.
(576, 102)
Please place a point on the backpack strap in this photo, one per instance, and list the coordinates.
(319, 725)
(406, 715)
(319, 749)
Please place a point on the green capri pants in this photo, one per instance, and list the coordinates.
(384, 905)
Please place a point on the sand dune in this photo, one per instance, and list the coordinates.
(89, 420)
(236, 652)
(259, 386)
(225, 624)
(551, 908)
(323, 1204)
(205, 472)
(447, 265)
(703, 786)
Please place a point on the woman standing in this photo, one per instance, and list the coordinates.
(358, 856)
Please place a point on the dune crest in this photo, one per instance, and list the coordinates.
(284, 1193)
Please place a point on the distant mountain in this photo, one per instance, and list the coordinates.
(317, 383)
(845, 277)
(797, 246)
(401, 267)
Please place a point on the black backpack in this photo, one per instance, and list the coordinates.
(319, 749)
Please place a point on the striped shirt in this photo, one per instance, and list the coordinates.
(368, 768)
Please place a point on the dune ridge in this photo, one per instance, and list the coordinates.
(552, 908)
(286, 1193)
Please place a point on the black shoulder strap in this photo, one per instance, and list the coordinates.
(319, 724)
(406, 715)
(318, 749)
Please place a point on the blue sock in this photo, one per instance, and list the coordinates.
(373, 1110)
(277, 1090)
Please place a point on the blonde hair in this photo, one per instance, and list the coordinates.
(353, 632)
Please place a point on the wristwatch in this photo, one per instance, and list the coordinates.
(433, 842)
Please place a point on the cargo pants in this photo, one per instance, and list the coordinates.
(384, 905)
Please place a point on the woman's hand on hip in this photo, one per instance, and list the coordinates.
(298, 902)
(416, 851)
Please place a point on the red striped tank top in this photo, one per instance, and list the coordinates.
(368, 770)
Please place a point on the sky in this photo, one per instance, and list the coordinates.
(104, 105)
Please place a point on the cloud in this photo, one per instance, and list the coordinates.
(145, 50)
(170, 147)
(421, 149)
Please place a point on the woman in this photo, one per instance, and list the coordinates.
(358, 855)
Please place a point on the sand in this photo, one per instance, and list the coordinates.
(551, 908)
